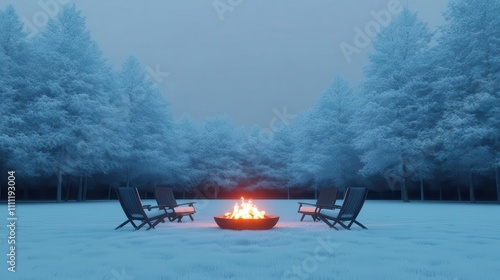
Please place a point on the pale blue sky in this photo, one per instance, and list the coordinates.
(243, 61)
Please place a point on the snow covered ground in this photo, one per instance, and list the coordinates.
(403, 241)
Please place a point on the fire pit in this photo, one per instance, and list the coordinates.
(246, 216)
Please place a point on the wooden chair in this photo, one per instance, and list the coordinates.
(166, 200)
(353, 202)
(326, 200)
(134, 210)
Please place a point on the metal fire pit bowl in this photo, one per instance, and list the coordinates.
(268, 222)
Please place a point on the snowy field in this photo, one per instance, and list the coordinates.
(403, 241)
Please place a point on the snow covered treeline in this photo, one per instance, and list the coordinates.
(427, 111)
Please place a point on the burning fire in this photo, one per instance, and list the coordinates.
(245, 211)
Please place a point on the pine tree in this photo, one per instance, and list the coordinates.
(221, 152)
(72, 113)
(470, 78)
(324, 145)
(281, 158)
(188, 140)
(393, 117)
(258, 162)
(148, 127)
(17, 84)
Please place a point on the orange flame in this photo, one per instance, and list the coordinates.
(245, 211)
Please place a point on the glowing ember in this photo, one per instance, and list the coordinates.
(245, 211)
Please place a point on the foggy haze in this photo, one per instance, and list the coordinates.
(240, 58)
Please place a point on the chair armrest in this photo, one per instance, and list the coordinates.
(319, 206)
(305, 203)
(161, 207)
(187, 203)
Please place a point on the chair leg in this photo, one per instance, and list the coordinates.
(154, 223)
(152, 226)
(328, 222)
(160, 220)
(333, 225)
(359, 224)
(124, 223)
(191, 217)
(343, 225)
(141, 225)
(303, 215)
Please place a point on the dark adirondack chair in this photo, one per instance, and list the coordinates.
(326, 200)
(353, 202)
(134, 210)
(166, 200)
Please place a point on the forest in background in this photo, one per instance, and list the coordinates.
(425, 117)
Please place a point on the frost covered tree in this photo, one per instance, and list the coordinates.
(278, 158)
(393, 118)
(188, 138)
(324, 153)
(18, 82)
(220, 152)
(292, 149)
(72, 113)
(469, 78)
(11, 40)
(148, 123)
(257, 158)
(8, 26)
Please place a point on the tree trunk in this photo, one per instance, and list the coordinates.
(109, 192)
(471, 189)
(404, 190)
(80, 189)
(59, 186)
(85, 185)
(26, 192)
(459, 192)
(421, 189)
(128, 180)
(497, 179)
(68, 190)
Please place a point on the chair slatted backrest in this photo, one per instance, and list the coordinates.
(353, 202)
(327, 197)
(130, 202)
(165, 197)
